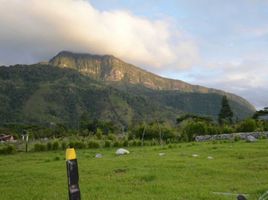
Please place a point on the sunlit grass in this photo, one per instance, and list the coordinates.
(234, 168)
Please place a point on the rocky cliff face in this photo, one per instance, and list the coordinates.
(111, 69)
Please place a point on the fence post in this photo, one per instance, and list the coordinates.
(72, 174)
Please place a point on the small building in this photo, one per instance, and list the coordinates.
(6, 138)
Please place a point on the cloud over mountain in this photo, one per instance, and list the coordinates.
(32, 30)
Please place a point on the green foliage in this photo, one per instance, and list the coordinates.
(226, 114)
(8, 149)
(58, 98)
(99, 134)
(125, 143)
(107, 143)
(49, 146)
(40, 147)
(153, 130)
(55, 145)
(248, 125)
(192, 129)
(93, 144)
(63, 145)
(116, 144)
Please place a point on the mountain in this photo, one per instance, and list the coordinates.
(73, 87)
(110, 68)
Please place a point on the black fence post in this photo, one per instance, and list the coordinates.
(72, 174)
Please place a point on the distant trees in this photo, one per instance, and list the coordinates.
(226, 114)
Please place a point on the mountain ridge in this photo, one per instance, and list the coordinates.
(65, 89)
(111, 69)
(83, 62)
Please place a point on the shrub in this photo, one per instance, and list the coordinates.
(49, 146)
(63, 145)
(193, 129)
(111, 137)
(79, 145)
(133, 143)
(71, 144)
(125, 143)
(139, 143)
(55, 145)
(116, 144)
(39, 147)
(93, 144)
(107, 143)
(237, 138)
(247, 125)
(99, 133)
(9, 149)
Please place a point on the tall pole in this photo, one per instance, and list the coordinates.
(72, 174)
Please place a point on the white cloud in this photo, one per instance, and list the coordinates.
(247, 79)
(32, 30)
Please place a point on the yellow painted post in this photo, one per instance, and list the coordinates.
(72, 174)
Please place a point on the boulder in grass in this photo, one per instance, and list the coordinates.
(251, 138)
(121, 151)
(98, 155)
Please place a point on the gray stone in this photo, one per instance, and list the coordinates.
(121, 151)
(251, 138)
(98, 155)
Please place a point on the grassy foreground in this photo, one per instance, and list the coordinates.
(235, 168)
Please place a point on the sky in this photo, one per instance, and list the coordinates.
(221, 44)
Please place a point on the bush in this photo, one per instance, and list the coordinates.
(138, 142)
(77, 145)
(107, 143)
(55, 145)
(111, 137)
(193, 129)
(99, 133)
(125, 143)
(63, 145)
(39, 147)
(248, 125)
(9, 149)
(49, 146)
(93, 144)
(116, 144)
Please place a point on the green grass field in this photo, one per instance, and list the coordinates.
(235, 168)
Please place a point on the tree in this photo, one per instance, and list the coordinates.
(226, 114)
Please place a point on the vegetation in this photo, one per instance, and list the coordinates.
(45, 95)
(236, 167)
(226, 114)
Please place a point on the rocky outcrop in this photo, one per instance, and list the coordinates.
(231, 136)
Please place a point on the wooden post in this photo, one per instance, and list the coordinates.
(72, 174)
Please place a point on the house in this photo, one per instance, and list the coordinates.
(6, 138)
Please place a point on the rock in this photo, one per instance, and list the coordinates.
(241, 197)
(195, 155)
(98, 155)
(121, 151)
(162, 154)
(210, 157)
(251, 138)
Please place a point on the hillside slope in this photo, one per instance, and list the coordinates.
(72, 86)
